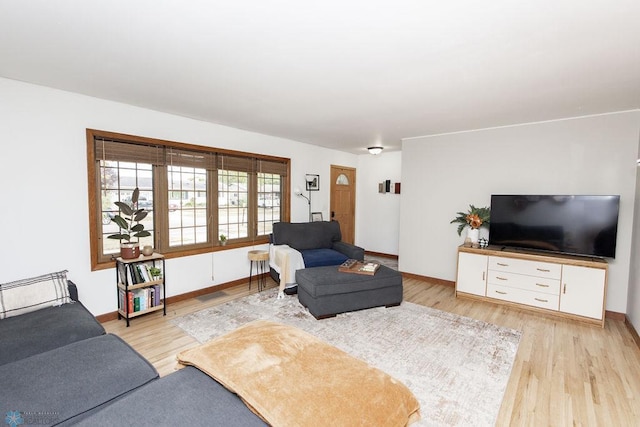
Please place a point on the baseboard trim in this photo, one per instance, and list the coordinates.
(382, 254)
(632, 331)
(429, 279)
(614, 315)
(107, 317)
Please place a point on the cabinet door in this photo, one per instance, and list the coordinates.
(582, 291)
(472, 274)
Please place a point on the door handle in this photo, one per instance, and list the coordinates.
(333, 214)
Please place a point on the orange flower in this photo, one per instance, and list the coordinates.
(474, 221)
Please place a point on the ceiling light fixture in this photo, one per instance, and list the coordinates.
(375, 150)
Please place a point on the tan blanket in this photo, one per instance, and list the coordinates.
(290, 378)
(286, 261)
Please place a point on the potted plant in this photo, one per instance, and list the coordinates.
(223, 239)
(129, 222)
(473, 219)
(155, 272)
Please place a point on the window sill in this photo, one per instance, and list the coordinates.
(189, 252)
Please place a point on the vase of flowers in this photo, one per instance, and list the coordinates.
(472, 220)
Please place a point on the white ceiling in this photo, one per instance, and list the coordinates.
(340, 74)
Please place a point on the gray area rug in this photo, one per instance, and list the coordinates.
(457, 367)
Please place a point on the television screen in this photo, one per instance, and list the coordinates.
(580, 225)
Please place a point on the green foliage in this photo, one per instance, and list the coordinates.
(129, 220)
(155, 271)
(223, 238)
(474, 215)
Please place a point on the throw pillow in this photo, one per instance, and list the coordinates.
(27, 295)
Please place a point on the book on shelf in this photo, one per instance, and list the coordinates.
(144, 274)
(158, 296)
(121, 300)
(130, 301)
(122, 273)
(135, 275)
(141, 273)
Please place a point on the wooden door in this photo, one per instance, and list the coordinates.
(343, 200)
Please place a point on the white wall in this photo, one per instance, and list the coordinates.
(443, 174)
(378, 215)
(44, 200)
(633, 302)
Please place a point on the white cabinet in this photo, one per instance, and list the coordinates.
(472, 274)
(582, 291)
(570, 286)
(529, 282)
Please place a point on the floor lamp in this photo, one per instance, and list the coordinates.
(299, 193)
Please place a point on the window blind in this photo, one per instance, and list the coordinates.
(128, 152)
(159, 155)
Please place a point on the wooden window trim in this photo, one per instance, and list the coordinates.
(280, 164)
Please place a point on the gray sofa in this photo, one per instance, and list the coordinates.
(59, 367)
(320, 243)
(47, 329)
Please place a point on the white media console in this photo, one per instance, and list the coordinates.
(569, 286)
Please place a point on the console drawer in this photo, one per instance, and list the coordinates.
(530, 268)
(527, 283)
(521, 296)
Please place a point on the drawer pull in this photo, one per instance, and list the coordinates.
(501, 278)
(541, 300)
(500, 292)
(503, 265)
(544, 270)
(542, 285)
(483, 276)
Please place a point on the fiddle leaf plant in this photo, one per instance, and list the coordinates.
(128, 220)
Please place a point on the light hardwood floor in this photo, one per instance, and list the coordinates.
(565, 372)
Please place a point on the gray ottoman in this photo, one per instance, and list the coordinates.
(326, 292)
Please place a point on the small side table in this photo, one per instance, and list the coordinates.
(261, 258)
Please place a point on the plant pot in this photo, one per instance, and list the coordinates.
(474, 235)
(129, 250)
(223, 242)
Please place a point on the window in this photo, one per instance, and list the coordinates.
(188, 216)
(118, 180)
(193, 193)
(268, 201)
(233, 215)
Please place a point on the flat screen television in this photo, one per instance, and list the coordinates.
(578, 225)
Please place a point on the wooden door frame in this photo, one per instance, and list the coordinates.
(353, 199)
